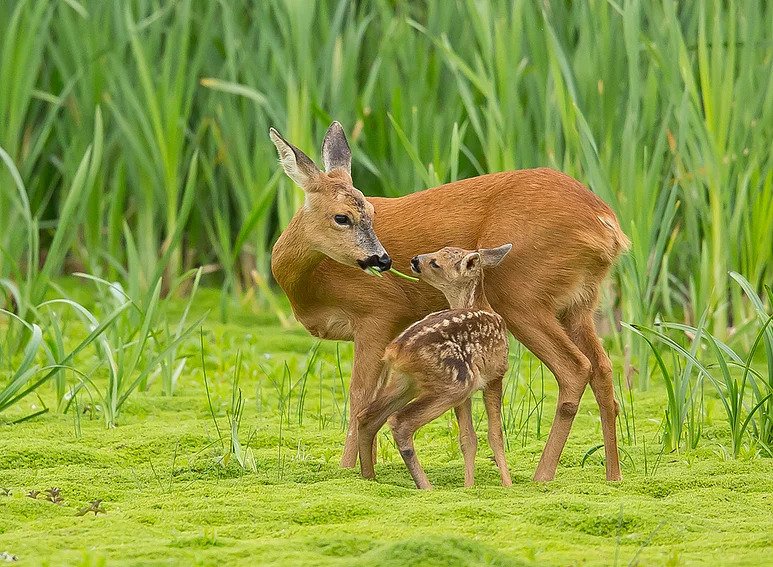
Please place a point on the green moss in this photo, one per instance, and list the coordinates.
(437, 552)
(342, 546)
(167, 499)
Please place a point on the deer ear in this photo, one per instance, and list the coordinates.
(335, 149)
(493, 256)
(470, 262)
(297, 165)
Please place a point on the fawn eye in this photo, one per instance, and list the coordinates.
(343, 220)
(434, 264)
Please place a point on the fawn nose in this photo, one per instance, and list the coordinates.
(415, 264)
(381, 263)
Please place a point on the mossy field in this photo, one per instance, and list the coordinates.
(159, 403)
(167, 497)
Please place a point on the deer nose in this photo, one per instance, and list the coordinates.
(415, 264)
(381, 263)
(384, 262)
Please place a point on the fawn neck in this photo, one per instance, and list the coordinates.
(469, 296)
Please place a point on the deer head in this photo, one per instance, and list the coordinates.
(337, 219)
(458, 273)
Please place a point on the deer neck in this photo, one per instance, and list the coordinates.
(294, 261)
(471, 296)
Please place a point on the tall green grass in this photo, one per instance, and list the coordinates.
(746, 394)
(664, 109)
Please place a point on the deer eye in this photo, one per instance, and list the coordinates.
(434, 264)
(343, 220)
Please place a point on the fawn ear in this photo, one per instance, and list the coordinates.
(493, 256)
(470, 262)
(335, 149)
(297, 165)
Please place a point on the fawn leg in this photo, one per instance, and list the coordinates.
(405, 423)
(492, 399)
(540, 332)
(393, 397)
(468, 441)
(581, 329)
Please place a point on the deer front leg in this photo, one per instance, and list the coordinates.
(368, 351)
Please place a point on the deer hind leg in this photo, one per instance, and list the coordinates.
(468, 441)
(539, 331)
(404, 424)
(492, 399)
(579, 324)
(394, 396)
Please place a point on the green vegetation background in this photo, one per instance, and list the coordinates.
(139, 128)
(133, 147)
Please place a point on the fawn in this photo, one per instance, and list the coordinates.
(438, 363)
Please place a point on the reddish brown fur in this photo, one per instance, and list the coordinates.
(564, 239)
(560, 248)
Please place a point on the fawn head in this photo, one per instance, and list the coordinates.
(457, 272)
(338, 220)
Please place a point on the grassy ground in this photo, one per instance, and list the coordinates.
(167, 499)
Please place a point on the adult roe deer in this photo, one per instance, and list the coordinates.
(438, 363)
(565, 239)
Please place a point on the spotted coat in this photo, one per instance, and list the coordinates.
(466, 347)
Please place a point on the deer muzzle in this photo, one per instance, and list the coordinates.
(382, 263)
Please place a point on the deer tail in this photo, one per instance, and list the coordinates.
(620, 242)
